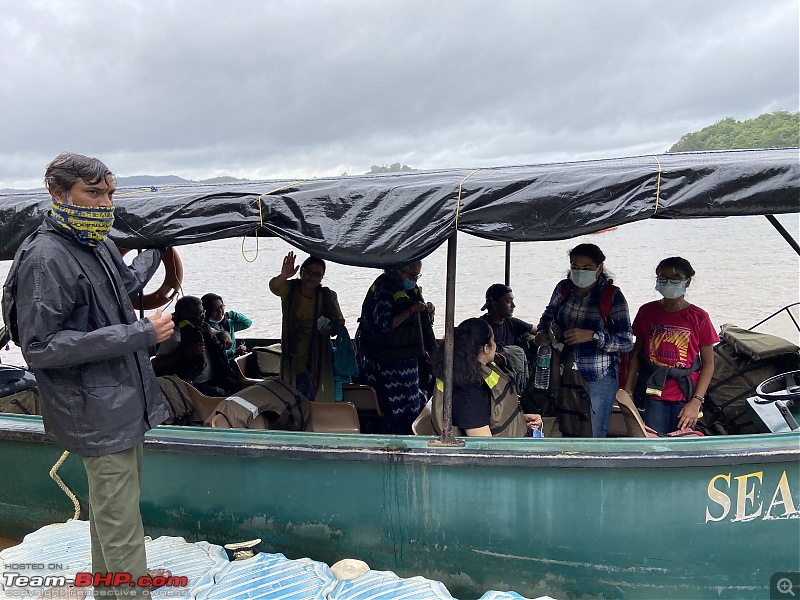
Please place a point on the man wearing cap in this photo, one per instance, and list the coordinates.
(500, 306)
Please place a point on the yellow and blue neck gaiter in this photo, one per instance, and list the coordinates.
(89, 225)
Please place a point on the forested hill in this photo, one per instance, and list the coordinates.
(780, 129)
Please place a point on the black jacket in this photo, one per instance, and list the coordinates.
(82, 339)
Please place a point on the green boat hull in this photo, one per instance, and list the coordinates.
(625, 518)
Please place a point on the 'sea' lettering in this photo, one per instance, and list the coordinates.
(786, 499)
(719, 497)
(744, 495)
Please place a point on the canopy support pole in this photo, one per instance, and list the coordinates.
(447, 438)
(782, 230)
(141, 294)
(508, 263)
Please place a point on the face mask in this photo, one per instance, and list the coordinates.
(409, 284)
(671, 290)
(215, 321)
(89, 225)
(581, 278)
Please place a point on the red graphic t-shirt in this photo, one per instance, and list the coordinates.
(674, 339)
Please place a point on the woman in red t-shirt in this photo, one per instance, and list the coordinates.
(672, 362)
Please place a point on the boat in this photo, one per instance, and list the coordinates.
(714, 516)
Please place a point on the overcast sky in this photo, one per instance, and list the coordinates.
(265, 89)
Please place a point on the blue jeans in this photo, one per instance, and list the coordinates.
(602, 393)
(662, 415)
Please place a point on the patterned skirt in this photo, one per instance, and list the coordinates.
(397, 385)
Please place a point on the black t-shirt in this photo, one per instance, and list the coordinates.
(506, 333)
(472, 407)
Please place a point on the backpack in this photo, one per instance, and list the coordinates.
(269, 404)
(25, 402)
(516, 366)
(742, 360)
(176, 399)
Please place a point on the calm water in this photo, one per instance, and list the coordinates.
(745, 271)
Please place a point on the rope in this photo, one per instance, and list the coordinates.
(658, 184)
(64, 487)
(458, 200)
(261, 217)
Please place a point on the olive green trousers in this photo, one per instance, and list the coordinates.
(115, 521)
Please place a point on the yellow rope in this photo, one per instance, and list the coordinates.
(63, 486)
(261, 217)
(458, 200)
(658, 184)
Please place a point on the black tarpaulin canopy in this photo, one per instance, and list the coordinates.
(381, 220)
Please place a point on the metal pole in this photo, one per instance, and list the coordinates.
(141, 294)
(786, 235)
(508, 263)
(447, 438)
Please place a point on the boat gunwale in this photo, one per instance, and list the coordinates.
(340, 448)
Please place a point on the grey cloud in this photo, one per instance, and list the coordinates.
(284, 88)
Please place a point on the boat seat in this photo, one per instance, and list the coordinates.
(265, 361)
(633, 420)
(241, 368)
(333, 417)
(204, 406)
(363, 397)
(422, 425)
(220, 421)
(616, 423)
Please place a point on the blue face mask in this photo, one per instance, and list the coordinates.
(581, 278)
(409, 284)
(671, 290)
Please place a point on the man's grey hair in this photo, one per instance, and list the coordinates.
(67, 168)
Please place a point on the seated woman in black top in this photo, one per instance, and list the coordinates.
(485, 402)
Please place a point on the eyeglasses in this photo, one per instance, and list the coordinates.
(416, 277)
(665, 280)
(311, 273)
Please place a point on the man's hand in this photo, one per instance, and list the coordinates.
(163, 325)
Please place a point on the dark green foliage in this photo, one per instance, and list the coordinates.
(393, 168)
(780, 129)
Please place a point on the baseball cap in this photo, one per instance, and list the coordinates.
(495, 292)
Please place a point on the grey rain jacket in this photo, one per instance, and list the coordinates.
(81, 337)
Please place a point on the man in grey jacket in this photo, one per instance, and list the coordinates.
(67, 303)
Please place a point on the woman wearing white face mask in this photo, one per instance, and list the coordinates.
(673, 360)
(592, 316)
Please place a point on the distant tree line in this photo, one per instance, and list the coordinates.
(780, 129)
(393, 168)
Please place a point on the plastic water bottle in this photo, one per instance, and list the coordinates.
(541, 377)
